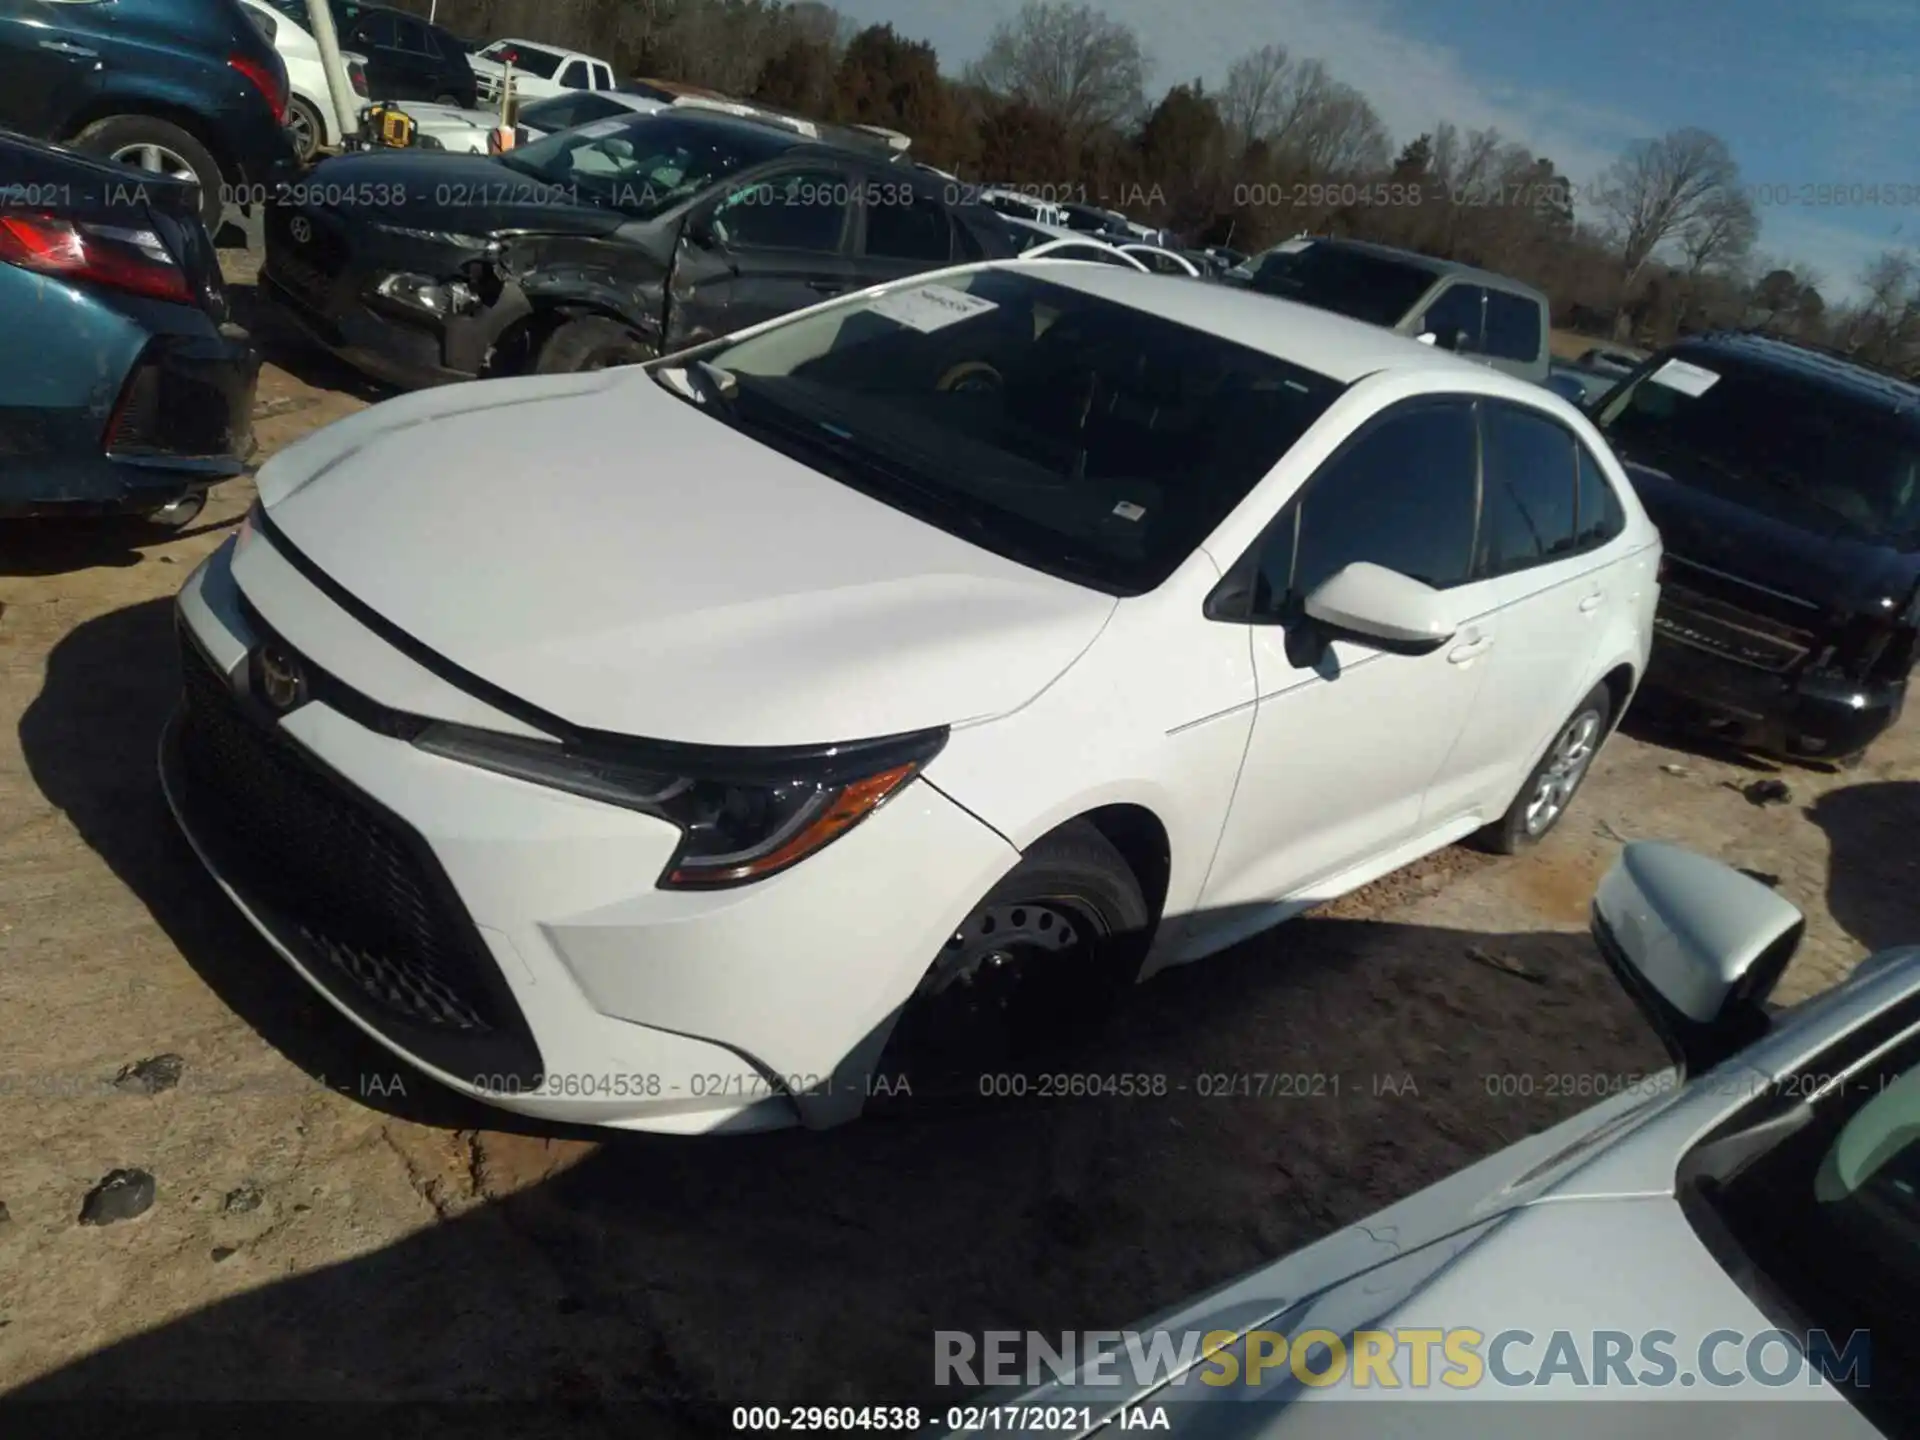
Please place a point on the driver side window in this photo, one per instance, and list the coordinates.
(1402, 495)
(800, 210)
(1457, 312)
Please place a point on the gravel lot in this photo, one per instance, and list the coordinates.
(325, 1225)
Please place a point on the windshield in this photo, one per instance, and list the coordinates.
(1085, 438)
(522, 56)
(646, 164)
(1793, 450)
(1347, 282)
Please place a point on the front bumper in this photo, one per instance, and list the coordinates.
(326, 287)
(604, 1000)
(1799, 716)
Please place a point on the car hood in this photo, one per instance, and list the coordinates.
(432, 190)
(1834, 572)
(1370, 1269)
(608, 553)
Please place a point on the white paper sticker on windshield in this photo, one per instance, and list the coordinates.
(931, 307)
(1292, 247)
(601, 127)
(1687, 379)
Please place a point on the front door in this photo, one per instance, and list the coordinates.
(774, 245)
(1347, 739)
(899, 231)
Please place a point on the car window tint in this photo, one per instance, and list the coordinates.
(1515, 327)
(574, 75)
(907, 228)
(378, 30)
(415, 37)
(1400, 496)
(602, 78)
(805, 210)
(1601, 515)
(1529, 485)
(1457, 310)
(296, 11)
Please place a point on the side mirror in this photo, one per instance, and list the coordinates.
(1698, 946)
(1384, 609)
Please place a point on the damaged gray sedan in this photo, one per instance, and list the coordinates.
(599, 246)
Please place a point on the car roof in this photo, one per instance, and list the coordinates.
(1833, 373)
(1343, 350)
(533, 45)
(1432, 264)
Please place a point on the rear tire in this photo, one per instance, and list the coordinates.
(1552, 784)
(148, 143)
(307, 128)
(592, 342)
(1035, 967)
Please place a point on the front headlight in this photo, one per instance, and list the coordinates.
(743, 814)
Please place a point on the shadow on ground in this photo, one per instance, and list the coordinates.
(1873, 873)
(683, 1277)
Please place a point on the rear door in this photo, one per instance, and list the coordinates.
(50, 58)
(602, 76)
(389, 76)
(419, 56)
(1548, 572)
(899, 230)
(771, 245)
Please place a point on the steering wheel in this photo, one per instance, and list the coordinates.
(971, 377)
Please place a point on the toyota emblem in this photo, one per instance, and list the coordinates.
(301, 229)
(279, 679)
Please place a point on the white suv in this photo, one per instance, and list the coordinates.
(538, 70)
(878, 687)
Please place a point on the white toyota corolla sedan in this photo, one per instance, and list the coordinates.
(718, 743)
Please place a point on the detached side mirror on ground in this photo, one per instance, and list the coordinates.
(1379, 607)
(1698, 946)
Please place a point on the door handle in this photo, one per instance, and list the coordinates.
(61, 47)
(1593, 602)
(1461, 654)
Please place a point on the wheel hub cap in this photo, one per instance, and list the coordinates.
(1566, 766)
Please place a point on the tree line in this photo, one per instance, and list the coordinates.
(1663, 243)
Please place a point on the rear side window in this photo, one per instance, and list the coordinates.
(916, 230)
(1400, 496)
(416, 38)
(1601, 518)
(1514, 328)
(1530, 482)
(378, 30)
(602, 77)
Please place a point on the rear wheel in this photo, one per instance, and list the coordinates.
(592, 342)
(1550, 788)
(161, 148)
(1036, 965)
(306, 128)
(453, 100)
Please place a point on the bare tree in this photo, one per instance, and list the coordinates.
(1661, 187)
(1884, 328)
(1719, 235)
(1251, 100)
(1068, 60)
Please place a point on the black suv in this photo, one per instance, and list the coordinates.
(1786, 485)
(407, 58)
(188, 88)
(600, 246)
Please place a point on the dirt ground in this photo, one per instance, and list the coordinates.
(328, 1226)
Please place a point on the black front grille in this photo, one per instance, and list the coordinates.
(308, 267)
(345, 885)
(1708, 623)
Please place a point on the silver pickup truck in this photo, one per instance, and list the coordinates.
(1475, 313)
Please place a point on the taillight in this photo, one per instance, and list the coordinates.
(269, 80)
(357, 74)
(136, 261)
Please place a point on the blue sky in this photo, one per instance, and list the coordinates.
(1805, 93)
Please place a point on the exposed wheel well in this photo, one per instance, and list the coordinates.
(1619, 683)
(517, 348)
(1136, 832)
(105, 107)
